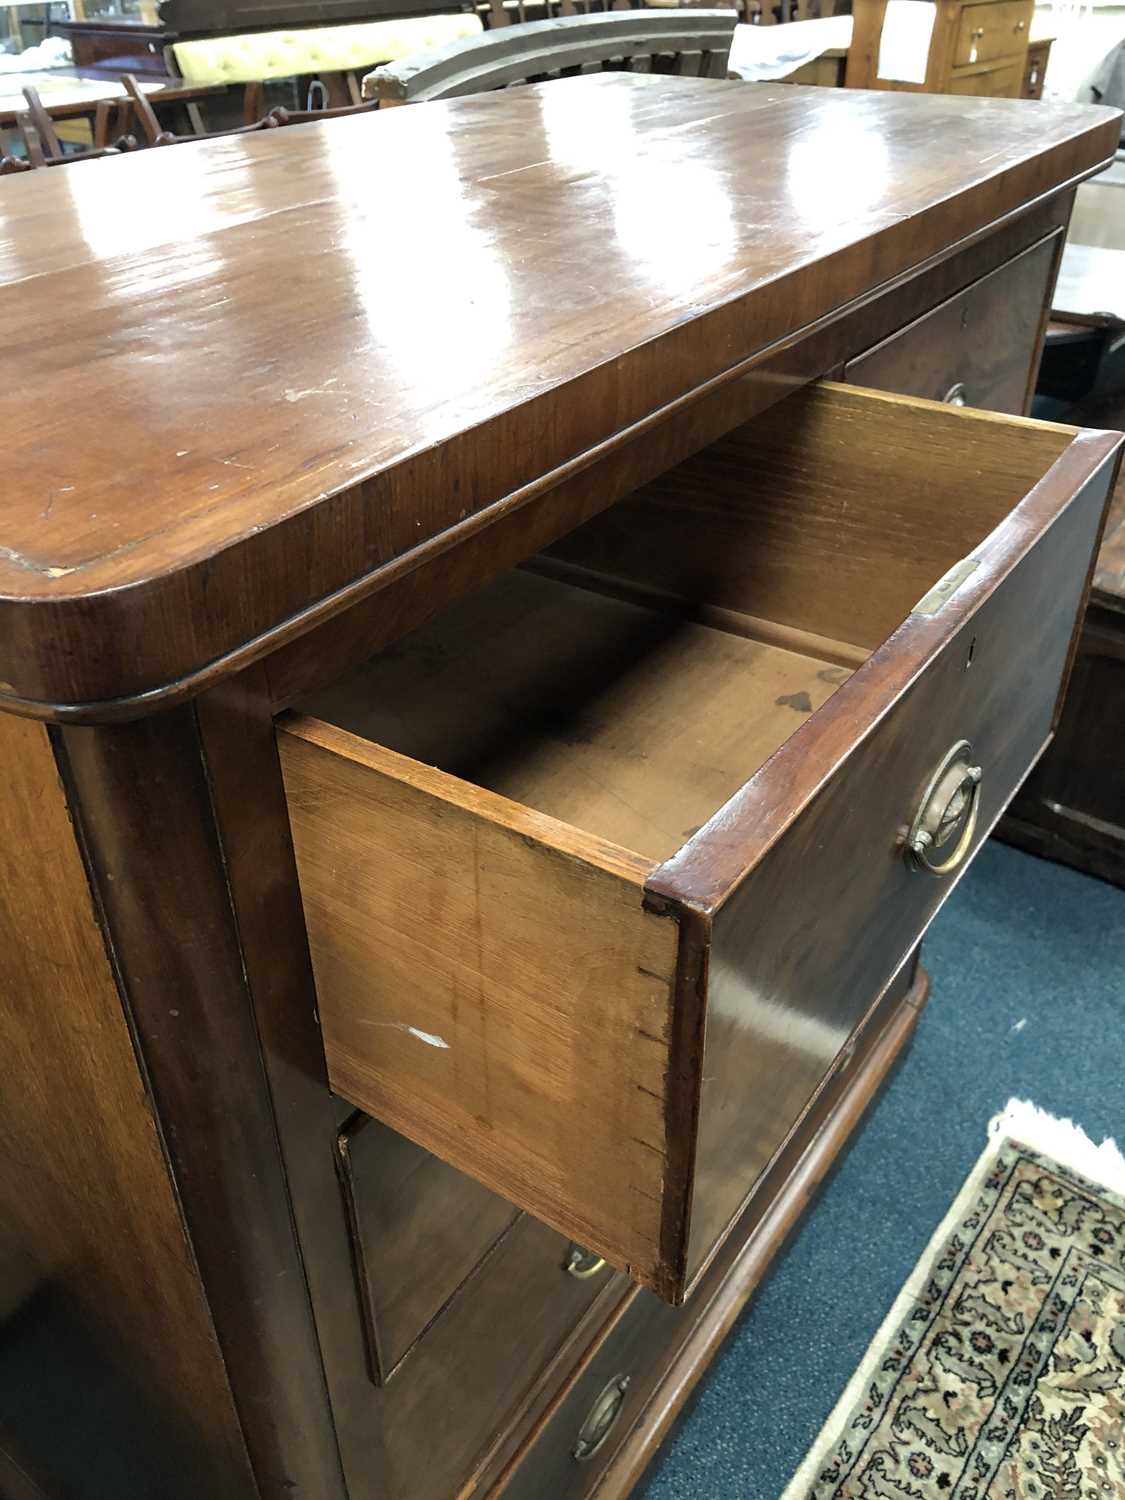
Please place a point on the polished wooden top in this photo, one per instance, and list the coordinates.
(245, 374)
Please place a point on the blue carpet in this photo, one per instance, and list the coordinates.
(1020, 940)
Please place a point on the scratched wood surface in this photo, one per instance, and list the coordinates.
(288, 396)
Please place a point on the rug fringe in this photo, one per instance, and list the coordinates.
(1020, 1120)
(1063, 1141)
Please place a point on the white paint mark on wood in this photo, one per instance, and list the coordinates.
(429, 1037)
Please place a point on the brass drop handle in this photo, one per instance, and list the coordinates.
(600, 1419)
(582, 1264)
(1020, 25)
(956, 395)
(947, 814)
(978, 33)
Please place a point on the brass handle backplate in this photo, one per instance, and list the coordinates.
(600, 1419)
(582, 1264)
(941, 834)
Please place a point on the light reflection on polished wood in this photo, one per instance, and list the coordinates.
(272, 421)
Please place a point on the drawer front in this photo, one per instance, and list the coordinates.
(829, 910)
(463, 1385)
(992, 31)
(600, 1406)
(420, 1230)
(977, 349)
(619, 1039)
(1002, 80)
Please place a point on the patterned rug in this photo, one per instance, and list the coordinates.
(1000, 1372)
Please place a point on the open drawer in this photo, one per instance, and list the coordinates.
(604, 865)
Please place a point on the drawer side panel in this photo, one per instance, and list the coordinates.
(502, 1002)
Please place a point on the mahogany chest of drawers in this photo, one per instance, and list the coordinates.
(497, 679)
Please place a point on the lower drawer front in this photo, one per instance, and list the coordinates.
(599, 1406)
(599, 887)
(465, 1381)
(992, 31)
(978, 348)
(420, 1232)
(1001, 80)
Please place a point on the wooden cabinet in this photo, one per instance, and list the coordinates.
(509, 704)
(977, 48)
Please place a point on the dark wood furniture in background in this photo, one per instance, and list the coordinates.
(1072, 806)
(1035, 70)
(654, 1034)
(978, 47)
(188, 18)
(689, 41)
(117, 45)
(112, 106)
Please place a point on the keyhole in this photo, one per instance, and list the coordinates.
(972, 652)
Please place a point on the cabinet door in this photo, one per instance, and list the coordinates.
(980, 348)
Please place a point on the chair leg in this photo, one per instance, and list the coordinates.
(105, 115)
(252, 101)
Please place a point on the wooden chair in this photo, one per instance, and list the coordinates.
(976, 47)
(155, 133)
(41, 143)
(37, 117)
(665, 41)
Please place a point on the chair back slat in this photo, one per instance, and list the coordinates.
(659, 39)
(40, 121)
(157, 135)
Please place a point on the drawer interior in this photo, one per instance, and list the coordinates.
(630, 680)
(624, 717)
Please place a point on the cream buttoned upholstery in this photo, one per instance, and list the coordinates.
(257, 56)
